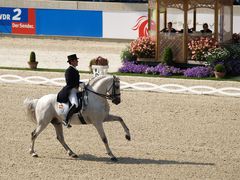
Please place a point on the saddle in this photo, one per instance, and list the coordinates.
(63, 108)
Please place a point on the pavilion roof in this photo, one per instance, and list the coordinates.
(193, 3)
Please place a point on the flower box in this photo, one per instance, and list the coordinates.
(146, 59)
(219, 75)
(99, 70)
(98, 66)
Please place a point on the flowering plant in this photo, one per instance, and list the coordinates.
(200, 46)
(143, 47)
(99, 61)
(131, 67)
(164, 70)
(126, 55)
(234, 50)
(199, 71)
(161, 69)
(218, 54)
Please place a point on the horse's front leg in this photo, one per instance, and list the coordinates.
(119, 119)
(59, 131)
(99, 127)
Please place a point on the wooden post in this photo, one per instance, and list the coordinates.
(185, 31)
(149, 17)
(165, 18)
(216, 20)
(232, 17)
(194, 18)
(157, 55)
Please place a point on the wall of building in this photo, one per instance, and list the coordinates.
(52, 4)
(75, 19)
(84, 19)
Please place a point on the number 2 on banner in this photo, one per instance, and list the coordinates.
(17, 16)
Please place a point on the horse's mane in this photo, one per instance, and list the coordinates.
(96, 79)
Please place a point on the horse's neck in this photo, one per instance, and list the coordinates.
(101, 84)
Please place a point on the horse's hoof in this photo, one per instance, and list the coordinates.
(34, 155)
(114, 159)
(128, 137)
(74, 155)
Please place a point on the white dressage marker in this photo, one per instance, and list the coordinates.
(140, 86)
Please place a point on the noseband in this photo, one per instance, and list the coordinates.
(109, 95)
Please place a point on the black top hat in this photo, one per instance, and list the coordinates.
(72, 57)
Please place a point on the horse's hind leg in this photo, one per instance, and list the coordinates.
(119, 119)
(59, 131)
(34, 136)
(99, 127)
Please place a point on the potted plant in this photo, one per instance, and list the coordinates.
(219, 71)
(168, 56)
(143, 48)
(32, 61)
(99, 66)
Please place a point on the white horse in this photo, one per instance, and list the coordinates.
(46, 110)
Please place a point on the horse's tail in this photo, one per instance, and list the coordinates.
(30, 106)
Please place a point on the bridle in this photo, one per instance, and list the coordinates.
(113, 87)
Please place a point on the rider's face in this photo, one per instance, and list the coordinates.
(74, 62)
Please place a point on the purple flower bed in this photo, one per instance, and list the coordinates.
(199, 72)
(161, 69)
(131, 67)
(164, 70)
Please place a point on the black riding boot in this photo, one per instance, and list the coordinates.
(71, 111)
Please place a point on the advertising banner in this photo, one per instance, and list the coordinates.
(17, 20)
(82, 23)
(124, 25)
(53, 22)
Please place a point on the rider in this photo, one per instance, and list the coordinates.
(69, 92)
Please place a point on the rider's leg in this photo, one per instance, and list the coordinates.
(74, 107)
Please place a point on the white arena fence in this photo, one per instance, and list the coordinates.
(140, 86)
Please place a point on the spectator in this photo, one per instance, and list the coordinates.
(169, 29)
(205, 29)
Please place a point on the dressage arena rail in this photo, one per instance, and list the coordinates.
(141, 86)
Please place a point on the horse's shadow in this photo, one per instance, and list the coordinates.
(131, 160)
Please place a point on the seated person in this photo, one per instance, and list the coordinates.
(205, 29)
(169, 29)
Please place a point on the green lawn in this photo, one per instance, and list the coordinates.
(235, 78)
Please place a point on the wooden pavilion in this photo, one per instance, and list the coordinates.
(159, 13)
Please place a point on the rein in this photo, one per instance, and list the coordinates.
(101, 95)
(110, 97)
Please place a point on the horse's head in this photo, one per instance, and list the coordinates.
(107, 87)
(114, 90)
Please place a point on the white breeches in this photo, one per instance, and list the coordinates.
(73, 97)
